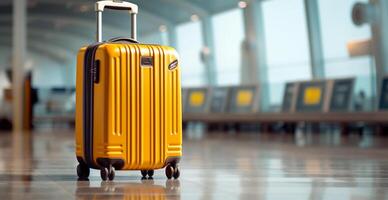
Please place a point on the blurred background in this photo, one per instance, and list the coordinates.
(300, 74)
(221, 43)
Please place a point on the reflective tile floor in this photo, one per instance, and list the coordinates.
(41, 165)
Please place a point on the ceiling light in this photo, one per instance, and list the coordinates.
(162, 28)
(206, 50)
(242, 4)
(32, 3)
(194, 18)
(84, 8)
(29, 64)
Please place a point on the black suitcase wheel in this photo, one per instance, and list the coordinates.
(150, 173)
(83, 171)
(143, 173)
(169, 171)
(104, 173)
(177, 172)
(112, 173)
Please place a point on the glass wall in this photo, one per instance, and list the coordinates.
(287, 48)
(189, 49)
(58, 73)
(337, 30)
(152, 38)
(228, 36)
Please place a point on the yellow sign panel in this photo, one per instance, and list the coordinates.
(197, 98)
(244, 97)
(312, 95)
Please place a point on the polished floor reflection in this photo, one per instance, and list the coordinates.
(41, 165)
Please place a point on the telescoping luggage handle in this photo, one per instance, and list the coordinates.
(116, 5)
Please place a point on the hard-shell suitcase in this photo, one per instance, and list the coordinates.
(128, 105)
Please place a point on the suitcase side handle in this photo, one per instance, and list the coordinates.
(116, 5)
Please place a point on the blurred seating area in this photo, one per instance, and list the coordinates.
(332, 101)
(320, 102)
(55, 106)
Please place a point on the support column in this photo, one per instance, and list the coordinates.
(315, 39)
(208, 51)
(18, 60)
(172, 37)
(380, 42)
(384, 32)
(254, 59)
(168, 35)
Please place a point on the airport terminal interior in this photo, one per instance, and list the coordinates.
(265, 99)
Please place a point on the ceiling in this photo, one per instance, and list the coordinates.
(64, 22)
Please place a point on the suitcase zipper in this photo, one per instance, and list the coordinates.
(88, 103)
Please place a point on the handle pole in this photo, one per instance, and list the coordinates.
(99, 26)
(133, 26)
(116, 5)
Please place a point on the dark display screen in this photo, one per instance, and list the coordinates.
(219, 100)
(342, 94)
(287, 97)
(383, 104)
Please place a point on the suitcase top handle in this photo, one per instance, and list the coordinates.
(116, 5)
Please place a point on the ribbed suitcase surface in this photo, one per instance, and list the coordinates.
(137, 105)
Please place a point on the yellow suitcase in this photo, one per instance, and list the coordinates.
(128, 105)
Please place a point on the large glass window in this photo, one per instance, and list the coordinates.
(228, 36)
(337, 30)
(337, 27)
(42, 67)
(190, 43)
(152, 38)
(287, 48)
